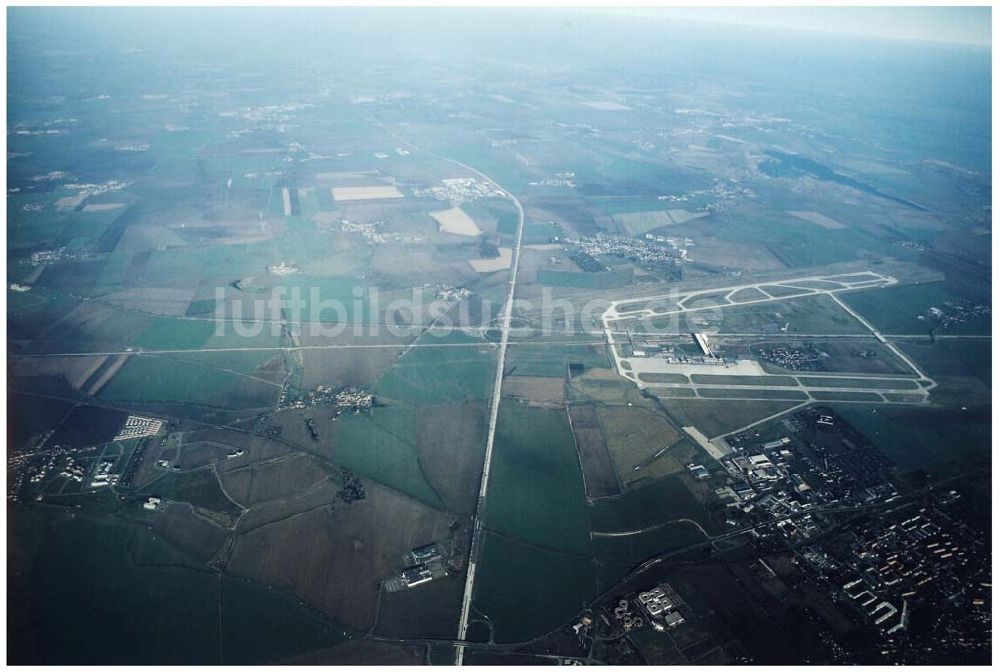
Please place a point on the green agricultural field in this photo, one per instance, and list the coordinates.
(668, 498)
(232, 352)
(75, 276)
(319, 252)
(269, 336)
(966, 358)
(30, 312)
(224, 159)
(233, 262)
(615, 206)
(637, 223)
(715, 417)
(817, 314)
(175, 152)
(200, 488)
(121, 570)
(939, 441)
(297, 227)
(327, 299)
(506, 222)
(536, 490)
(526, 590)
(636, 176)
(309, 201)
(607, 387)
(35, 415)
(167, 333)
(637, 548)
(605, 280)
(266, 625)
(529, 359)
(148, 378)
(540, 232)
(896, 310)
(634, 435)
(796, 243)
(504, 168)
(239, 361)
(382, 446)
(463, 369)
(176, 267)
(65, 617)
(657, 649)
(81, 230)
(201, 308)
(112, 278)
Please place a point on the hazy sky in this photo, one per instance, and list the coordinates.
(968, 25)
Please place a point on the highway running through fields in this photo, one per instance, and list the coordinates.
(477, 520)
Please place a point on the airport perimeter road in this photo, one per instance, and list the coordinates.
(931, 384)
(808, 286)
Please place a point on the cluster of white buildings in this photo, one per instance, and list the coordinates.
(98, 189)
(103, 476)
(660, 607)
(47, 256)
(136, 427)
(283, 268)
(459, 190)
(449, 293)
(367, 230)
